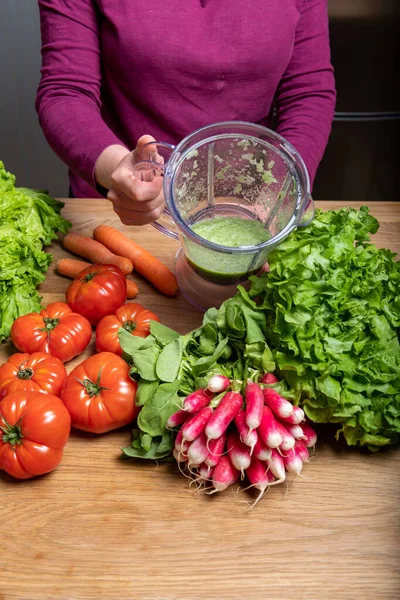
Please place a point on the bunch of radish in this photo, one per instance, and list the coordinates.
(225, 436)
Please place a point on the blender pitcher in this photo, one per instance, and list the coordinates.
(233, 192)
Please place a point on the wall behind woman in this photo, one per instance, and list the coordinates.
(23, 148)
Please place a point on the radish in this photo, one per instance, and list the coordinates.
(248, 437)
(261, 451)
(238, 452)
(277, 466)
(268, 430)
(196, 401)
(222, 416)
(254, 405)
(280, 406)
(296, 417)
(259, 476)
(180, 444)
(302, 450)
(197, 451)
(192, 428)
(224, 475)
(269, 378)
(288, 440)
(310, 435)
(216, 449)
(218, 384)
(178, 456)
(177, 418)
(293, 463)
(205, 472)
(295, 430)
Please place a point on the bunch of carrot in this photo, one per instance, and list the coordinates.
(224, 436)
(111, 246)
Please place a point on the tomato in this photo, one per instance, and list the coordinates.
(99, 394)
(97, 291)
(55, 330)
(132, 316)
(37, 372)
(34, 429)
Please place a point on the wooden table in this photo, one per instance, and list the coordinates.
(99, 527)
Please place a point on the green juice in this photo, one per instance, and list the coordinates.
(221, 267)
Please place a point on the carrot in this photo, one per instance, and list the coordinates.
(144, 262)
(132, 289)
(71, 267)
(96, 252)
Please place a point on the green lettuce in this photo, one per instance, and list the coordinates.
(29, 220)
(332, 304)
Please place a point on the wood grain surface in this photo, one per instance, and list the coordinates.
(105, 528)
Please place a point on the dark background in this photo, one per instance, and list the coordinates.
(362, 159)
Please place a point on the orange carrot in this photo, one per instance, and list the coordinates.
(70, 267)
(143, 261)
(132, 289)
(96, 252)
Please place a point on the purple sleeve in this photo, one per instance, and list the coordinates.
(68, 97)
(306, 96)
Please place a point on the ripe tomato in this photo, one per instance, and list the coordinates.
(99, 394)
(37, 372)
(56, 330)
(34, 429)
(132, 316)
(97, 291)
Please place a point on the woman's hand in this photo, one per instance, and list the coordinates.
(136, 202)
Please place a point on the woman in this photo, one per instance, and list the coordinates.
(116, 72)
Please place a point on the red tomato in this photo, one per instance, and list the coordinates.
(37, 372)
(97, 291)
(55, 330)
(99, 394)
(34, 429)
(132, 316)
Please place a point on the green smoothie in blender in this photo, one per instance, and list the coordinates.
(229, 231)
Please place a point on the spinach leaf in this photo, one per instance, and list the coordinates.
(169, 361)
(145, 391)
(154, 414)
(163, 334)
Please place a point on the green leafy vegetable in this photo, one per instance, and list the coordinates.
(332, 304)
(29, 220)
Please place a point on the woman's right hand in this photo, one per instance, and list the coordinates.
(136, 202)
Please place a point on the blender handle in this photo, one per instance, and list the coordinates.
(147, 170)
(308, 212)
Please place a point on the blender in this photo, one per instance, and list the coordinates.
(233, 191)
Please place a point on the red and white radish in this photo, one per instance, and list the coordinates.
(177, 418)
(269, 378)
(277, 466)
(181, 445)
(310, 436)
(259, 476)
(292, 461)
(238, 452)
(279, 405)
(192, 428)
(205, 472)
(295, 430)
(268, 430)
(254, 405)
(218, 383)
(288, 440)
(302, 451)
(261, 451)
(296, 417)
(223, 415)
(248, 437)
(224, 475)
(197, 451)
(196, 401)
(216, 448)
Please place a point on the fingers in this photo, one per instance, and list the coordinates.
(131, 212)
(123, 180)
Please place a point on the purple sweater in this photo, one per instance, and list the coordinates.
(114, 70)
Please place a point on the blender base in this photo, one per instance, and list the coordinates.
(202, 294)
